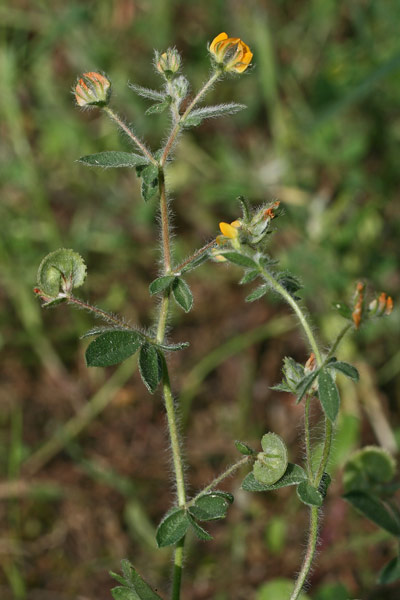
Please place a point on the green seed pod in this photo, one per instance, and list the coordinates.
(272, 463)
(60, 272)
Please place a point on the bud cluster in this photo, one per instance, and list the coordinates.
(92, 89)
(379, 307)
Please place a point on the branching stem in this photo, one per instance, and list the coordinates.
(177, 126)
(221, 477)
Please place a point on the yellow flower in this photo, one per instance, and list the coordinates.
(232, 53)
(230, 231)
(92, 89)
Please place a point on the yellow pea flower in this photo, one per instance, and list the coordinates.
(230, 231)
(232, 53)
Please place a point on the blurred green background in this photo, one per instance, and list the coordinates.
(321, 133)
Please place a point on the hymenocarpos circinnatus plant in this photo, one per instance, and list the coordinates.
(243, 242)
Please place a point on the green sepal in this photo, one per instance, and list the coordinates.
(304, 385)
(271, 464)
(182, 294)
(249, 277)
(161, 284)
(308, 494)
(244, 203)
(328, 394)
(375, 510)
(390, 572)
(159, 107)
(294, 475)
(60, 272)
(237, 258)
(257, 293)
(210, 507)
(201, 533)
(172, 528)
(244, 448)
(112, 347)
(343, 309)
(345, 368)
(150, 366)
(113, 160)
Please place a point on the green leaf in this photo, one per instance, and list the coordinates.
(345, 368)
(308, 494)
(191, 121)
(210, 507)
(150, 367)
(134, 583)
(257, 293)
(243, 448)
(146, 92)
(390, 572)
(124, 593)
(159, 107)
(201, 533)
(324, 484)
(182, 294)
(210, 112)
(196, 262)
(112, 347)
(375, 510)
(60, 272)
(272, 463)
(367, 468)
(290, 282)
(160, 284)
(113, 159)
(249, 277)
(294, 475)
(149, 177)
(343, 309)
(172, 528)
(304, 385)
(328, 394)
(240, 259)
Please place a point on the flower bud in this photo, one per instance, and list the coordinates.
(93, 89)
(231, 54)
(168, 63)
(179, 87)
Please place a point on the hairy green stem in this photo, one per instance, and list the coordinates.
(178, 566)
(99, 312)
(177, 126)
(114, 117)
(307, 435)
(166, 386)
(309, 555)
(299, 313)
(339, 338)
(193, 257)
(223, 476)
